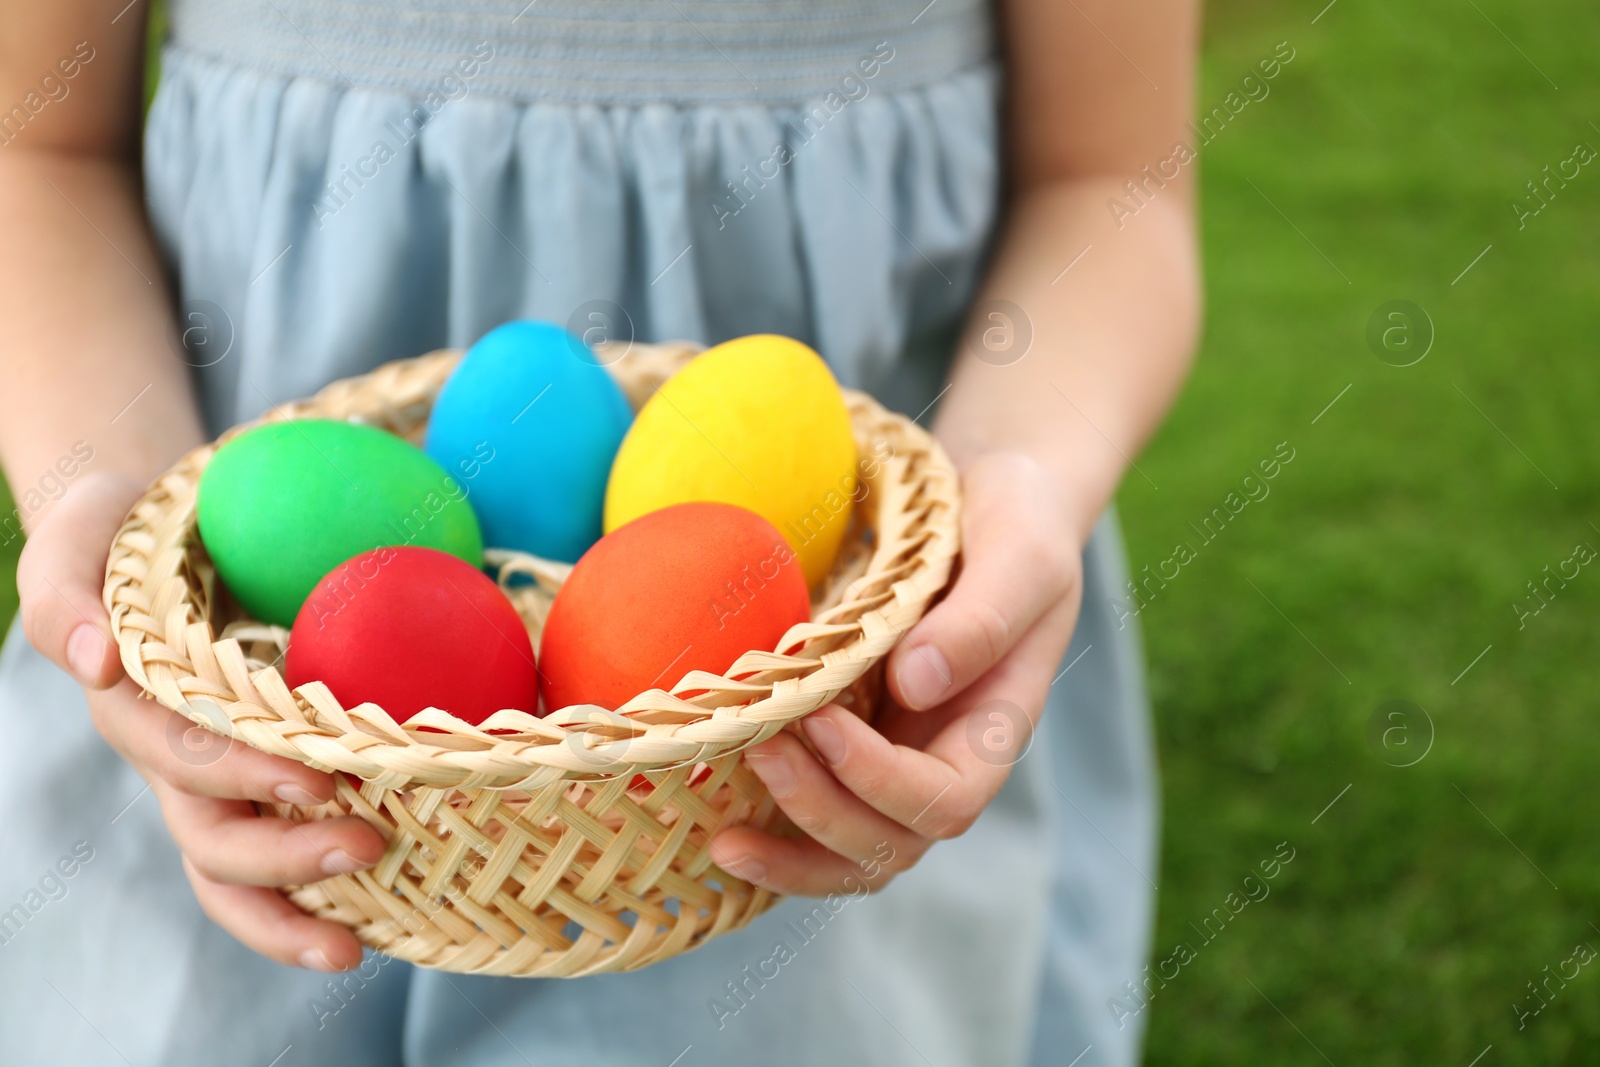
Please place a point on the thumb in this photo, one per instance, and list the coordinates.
(61, 574)
(1017, 562)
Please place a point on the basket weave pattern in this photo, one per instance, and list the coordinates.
(527, 845)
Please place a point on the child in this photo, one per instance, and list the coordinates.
(330, 185)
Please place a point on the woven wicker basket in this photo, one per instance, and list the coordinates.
(529, 846)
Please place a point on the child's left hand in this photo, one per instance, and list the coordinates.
(968, 685)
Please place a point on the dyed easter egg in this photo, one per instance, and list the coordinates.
(758, 422)
(689, 587)
(414, 628)
(283, 504)
(529, 422)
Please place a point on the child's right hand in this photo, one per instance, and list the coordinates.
(232, 854)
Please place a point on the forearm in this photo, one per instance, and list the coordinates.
(1111, 337)
(87, 359)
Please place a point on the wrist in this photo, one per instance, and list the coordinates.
(1036, 420)
(1070, 493)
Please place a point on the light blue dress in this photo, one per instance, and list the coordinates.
(339, 184)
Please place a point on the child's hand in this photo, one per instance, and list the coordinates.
(204, 783)
(882, 794)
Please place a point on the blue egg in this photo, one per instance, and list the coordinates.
(529, 424)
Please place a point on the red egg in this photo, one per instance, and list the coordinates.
(690, 587)
(412, 628)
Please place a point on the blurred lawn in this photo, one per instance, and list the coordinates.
(1389, 552)
(1395, 542)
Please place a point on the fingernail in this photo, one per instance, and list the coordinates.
(750, 869)
(314, 959)
(825, 738)
(290, 793)
(85, 651)
(341, 862)
(775, 772)
(924, 676)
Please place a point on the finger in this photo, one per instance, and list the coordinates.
(264, 921)
(816, 803)
(1015, 567)
(163, 745)
(1006, 702)
(802, 866)
(228, 842)
(61, 575)
(906, 787)
(940, 789)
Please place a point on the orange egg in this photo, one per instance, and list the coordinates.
(689, 587)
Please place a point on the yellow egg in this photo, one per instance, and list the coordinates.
(758, 422)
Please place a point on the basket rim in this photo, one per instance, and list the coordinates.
(168, 646)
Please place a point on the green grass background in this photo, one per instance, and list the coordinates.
(1389, 552)
(1396, 542)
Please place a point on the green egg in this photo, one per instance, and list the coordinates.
(283, 504)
